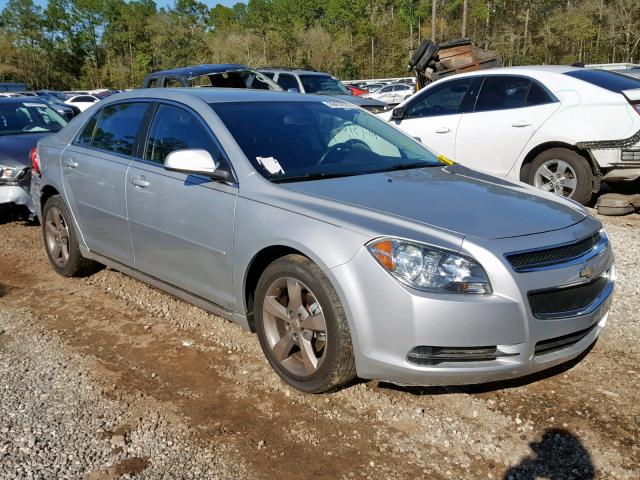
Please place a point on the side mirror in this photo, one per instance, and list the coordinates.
(397, 113)
(293, 90)
(195, 160)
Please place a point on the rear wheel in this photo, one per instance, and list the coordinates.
(563, 172)
(302, 326)
(61, 242)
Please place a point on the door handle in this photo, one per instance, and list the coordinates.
(521, 124)
(139, 181)
(70, 163)
(443, 130)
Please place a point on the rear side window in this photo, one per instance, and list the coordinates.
(614, 82)
(537, 95)
(176, 129)
(500, 92)
(86, 135)
(172, 83)
(443, 99)
(287, 81)
(84, 99)
(118, 127)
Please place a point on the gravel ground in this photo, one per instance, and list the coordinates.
(106, 378)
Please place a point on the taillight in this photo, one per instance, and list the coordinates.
(35, 160)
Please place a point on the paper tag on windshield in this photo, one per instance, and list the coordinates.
(36, 105)
(339, 104)
(270, 164)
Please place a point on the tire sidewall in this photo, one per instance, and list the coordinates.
(75, 257)
(325, 374)
(584, 188)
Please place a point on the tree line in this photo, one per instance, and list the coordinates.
(115, 43)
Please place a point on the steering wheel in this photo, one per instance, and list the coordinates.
(342, 148)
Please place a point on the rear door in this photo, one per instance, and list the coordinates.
(182, 225)
(94, 169)
(434, 114)
(508, 111)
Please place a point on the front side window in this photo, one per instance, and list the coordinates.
(443, 99)
(118, 127)
(153, 83)
(323, 85)
(172, 83)
(28, 117)
(287, 81)
(294, 140)
(499, 92)
(242, 79)
(176, 129)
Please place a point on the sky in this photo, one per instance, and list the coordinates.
(160, 3)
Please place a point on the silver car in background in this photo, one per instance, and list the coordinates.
(346, 245)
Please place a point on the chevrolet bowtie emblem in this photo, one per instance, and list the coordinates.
(587, 272)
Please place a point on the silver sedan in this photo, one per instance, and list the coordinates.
(347, 246)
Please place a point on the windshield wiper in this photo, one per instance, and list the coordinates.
(313, 176)
(404, 166)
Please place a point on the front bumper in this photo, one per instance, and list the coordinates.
(17, 194)
(388, 319)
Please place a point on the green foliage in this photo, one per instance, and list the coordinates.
(115, 43)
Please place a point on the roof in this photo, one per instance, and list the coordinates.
(203, 69)
(214, 95)
(23, 99)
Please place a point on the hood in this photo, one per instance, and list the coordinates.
(15, 149)
(456, 199)
(361, 102)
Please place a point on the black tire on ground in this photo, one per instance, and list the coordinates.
(338, 365)
(584, 174)
(76, 265)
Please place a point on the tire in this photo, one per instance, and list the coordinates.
(61, 241)
(562, 157)
(333, 351)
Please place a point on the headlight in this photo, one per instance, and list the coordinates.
(8, 173)
(428, 268)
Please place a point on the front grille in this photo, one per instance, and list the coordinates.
(565, 301)
(425, 356)
(554, 344)
(630, 155)
(521, 262)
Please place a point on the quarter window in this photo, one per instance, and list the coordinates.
(86, 135)
(500, 92)
(537, 95)
(118, 127)
(443, 99)
(176, 129)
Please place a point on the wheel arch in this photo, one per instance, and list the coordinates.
(46, 193)
(534, 152)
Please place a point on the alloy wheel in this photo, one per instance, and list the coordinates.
(295, 326)
(56, 233)
(556, 176)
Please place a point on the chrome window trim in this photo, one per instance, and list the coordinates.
(596, 250)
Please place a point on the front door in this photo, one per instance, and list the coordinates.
(94, 170)
(182, 225)
(433, 115)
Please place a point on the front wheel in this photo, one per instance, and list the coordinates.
(302, 327)
(563, 172)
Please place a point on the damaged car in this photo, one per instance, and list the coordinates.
(23, 122)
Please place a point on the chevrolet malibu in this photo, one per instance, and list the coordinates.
(346, 245)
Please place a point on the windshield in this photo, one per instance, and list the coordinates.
(28, 117)
(614, 82)
(323, 85)
(293, 140)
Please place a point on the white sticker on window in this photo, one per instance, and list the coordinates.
(36, 105)
(270, 164)
(339, 104)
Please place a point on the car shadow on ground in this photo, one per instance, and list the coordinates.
(12, 213)
(559, 455)
(491, 386)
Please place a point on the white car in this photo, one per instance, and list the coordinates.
(82, 101)
(562, 129)
(394, 93)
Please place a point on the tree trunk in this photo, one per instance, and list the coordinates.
(526, 31)
(599, 26)
(434, 8)
(372, 56)
(465, 7)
